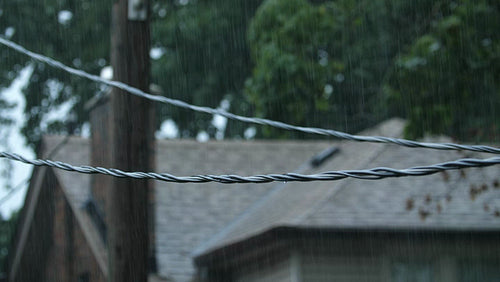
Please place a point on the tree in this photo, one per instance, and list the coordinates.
(332, 64)
(447, 81)
(74, 32)
(322, 64)
(292, 43)
(7, 229)
(206, 58)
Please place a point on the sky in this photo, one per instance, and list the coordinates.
(15, 142)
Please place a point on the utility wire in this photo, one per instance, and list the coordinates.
(369, 174)
(254, 120)
(13, 191)
(21, 184)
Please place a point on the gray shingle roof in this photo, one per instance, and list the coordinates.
(76, 151)
(76, 186)
(194, 219)
(380, 204)
(187, 215)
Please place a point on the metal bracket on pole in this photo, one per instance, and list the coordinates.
(137, 10)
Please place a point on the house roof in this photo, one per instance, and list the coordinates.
(187, 215)
(76, 187)
(196, 219)
(410, 203)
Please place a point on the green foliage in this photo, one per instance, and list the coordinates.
(343, 64)
(292, 42)
(7, 229)
(323, 65)
(82, 41)
(206, 58)
(448, 79)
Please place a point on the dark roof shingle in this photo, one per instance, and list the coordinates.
(195, 219)
(365, 204)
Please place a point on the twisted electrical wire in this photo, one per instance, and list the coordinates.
(26, 181)
(368, 174)
(254, 120)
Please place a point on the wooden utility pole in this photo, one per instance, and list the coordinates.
(131, 143)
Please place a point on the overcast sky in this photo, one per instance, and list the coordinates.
(15, 142)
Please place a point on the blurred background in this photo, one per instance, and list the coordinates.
(340, 64)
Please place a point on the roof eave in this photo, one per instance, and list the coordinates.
(286, 234)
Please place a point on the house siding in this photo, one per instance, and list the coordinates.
(85, 262)
(347, 269)
(275, 272)
(32, 263)
(322, 256)
(59, 258)
(56, 249)
(70, 258)
(397, 258)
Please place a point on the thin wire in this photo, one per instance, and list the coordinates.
(254, 120)
(369, 174)
(13, 191)
(21, 184)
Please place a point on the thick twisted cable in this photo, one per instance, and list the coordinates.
(369, 174)
(254, 120)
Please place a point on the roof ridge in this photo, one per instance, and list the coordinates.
(395, 127)
(333, 192)
(398, 130)
(244, 214)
